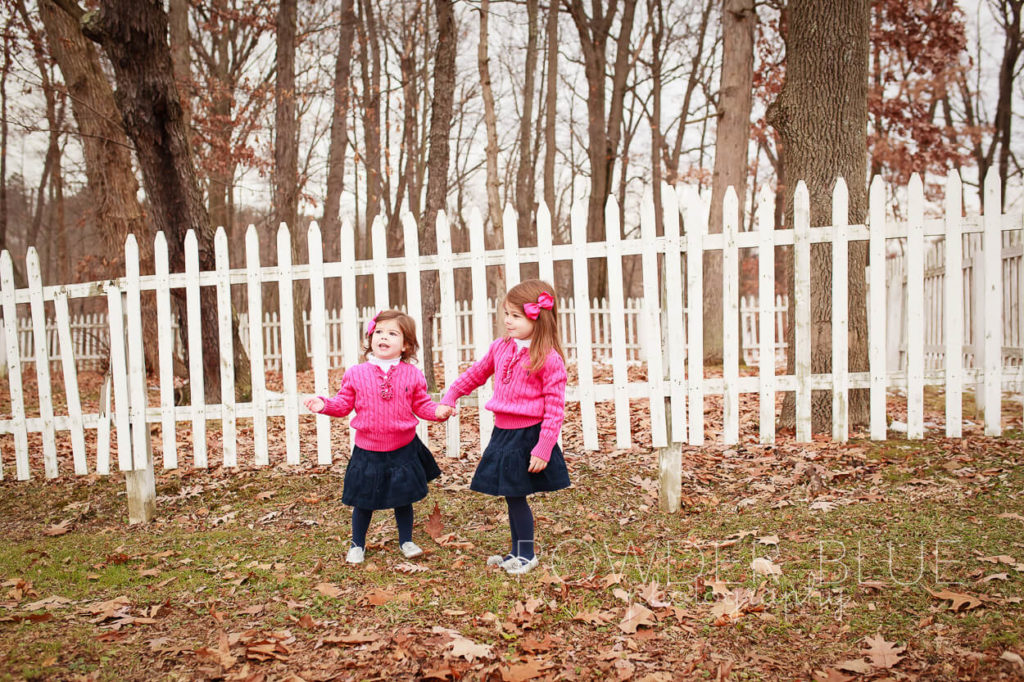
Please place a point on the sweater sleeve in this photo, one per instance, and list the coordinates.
(342, 403)
(554, 406)
(473, 377)
(422, 405)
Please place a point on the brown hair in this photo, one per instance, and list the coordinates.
(406, 325)
(545, 327)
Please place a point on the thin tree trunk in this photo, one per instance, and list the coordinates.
(437, 178)
(286, 164)
(3, 133)
(738, 22)
(656, 20)
(821, 115)
(339, 121)
(370, 59)
(524, 174)
(551, 110)
(490, 120)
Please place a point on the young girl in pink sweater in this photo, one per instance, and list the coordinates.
(390, 466)
(523, 456)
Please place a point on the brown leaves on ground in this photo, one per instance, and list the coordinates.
(958, 601)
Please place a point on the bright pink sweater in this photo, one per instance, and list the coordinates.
(527, 399)
(382, 425)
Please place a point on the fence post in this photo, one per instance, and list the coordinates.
(140, 483)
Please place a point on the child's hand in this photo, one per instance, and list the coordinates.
(444, 411)
(537, 464)
(313, 403)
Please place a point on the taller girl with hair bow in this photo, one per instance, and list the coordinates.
(390, 466)
(523, 456)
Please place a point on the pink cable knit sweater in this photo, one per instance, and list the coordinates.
(382, 425)
(527, 399)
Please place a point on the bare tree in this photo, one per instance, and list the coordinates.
(134, 36)
(437, 178)
(604, 121)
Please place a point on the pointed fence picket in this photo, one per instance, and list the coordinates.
(951, 329)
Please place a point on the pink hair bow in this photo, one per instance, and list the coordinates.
(545, 301)
(372, 325)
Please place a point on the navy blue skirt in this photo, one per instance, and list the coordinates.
(385, 480)
(504, 467)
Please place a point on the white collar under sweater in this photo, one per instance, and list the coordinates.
(522, 343)
(384, 365)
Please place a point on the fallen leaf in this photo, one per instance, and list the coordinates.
(768, 540)
(328, 590)
(409, 567)
(832, 675)
(856, 665)
(524, 671)
(636, 615)
(355, 637)
(652, 595)
(434, 526)
(379, 597)
(1001, 559)
(461, 647)
(959, 600)
(1010, 515)
(1011, 657)
(994, 576)
(883, 654)
(764, 566)
(58, 528)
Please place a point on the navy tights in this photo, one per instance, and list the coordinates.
(520, 520)
(361, 523)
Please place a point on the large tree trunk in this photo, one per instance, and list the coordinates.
(339, 122)
(437, 176)
(286, 165)
(738, 22)
(134, 36)
(525, 173)
(821, 115)
(603, 129)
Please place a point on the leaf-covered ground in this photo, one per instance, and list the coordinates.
(900, 560)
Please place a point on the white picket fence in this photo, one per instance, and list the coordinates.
(675, 382)
(90, 334)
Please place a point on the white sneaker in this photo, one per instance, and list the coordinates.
(355, 555)
(518, 565)
(410, 549)
(499, 560)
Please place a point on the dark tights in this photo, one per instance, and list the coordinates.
(361, 523)
(520, 521)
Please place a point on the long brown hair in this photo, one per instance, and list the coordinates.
(406, 325)
(545, 327)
